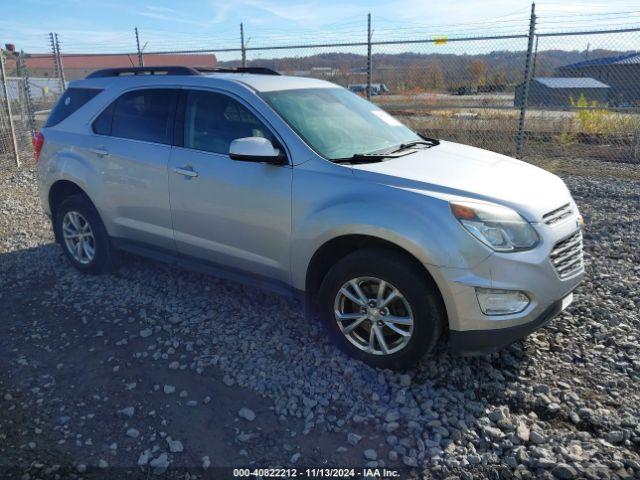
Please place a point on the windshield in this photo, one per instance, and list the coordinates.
(337, 123)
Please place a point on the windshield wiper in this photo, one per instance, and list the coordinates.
(399, 151)
(430, 142)
(370, 157)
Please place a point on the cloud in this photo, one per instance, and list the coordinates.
(309, 13)
(295, 12)
(168, 15)
(221, 14)
(155, 8)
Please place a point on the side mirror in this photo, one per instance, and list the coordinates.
(256, 149)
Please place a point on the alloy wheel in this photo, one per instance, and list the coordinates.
(78, 237)
(374, 315)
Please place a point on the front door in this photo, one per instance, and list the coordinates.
(235, 215)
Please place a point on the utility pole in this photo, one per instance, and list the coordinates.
(369, 56)
(243, 49)
(527, 81)
(140, 57)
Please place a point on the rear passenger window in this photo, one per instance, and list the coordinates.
(144, 115)
(70, 101)
(212, 121)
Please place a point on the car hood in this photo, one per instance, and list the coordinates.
(455, 170)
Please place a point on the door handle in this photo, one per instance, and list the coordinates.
(99, 151)
(187, 171)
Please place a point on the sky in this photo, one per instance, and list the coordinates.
(107, 25)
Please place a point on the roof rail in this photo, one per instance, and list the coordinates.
(176, 70)
(116, 72)
(254, 70)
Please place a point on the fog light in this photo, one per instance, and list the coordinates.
(501, 302)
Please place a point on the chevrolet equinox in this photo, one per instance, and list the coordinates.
(300, 186)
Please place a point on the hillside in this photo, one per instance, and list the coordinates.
(436, 71)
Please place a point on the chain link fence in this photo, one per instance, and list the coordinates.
(525, 86)
(459, 89)
(587, 107)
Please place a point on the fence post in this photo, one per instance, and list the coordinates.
(635, 147)
(54, 54)
(5, 91)
(243, 48)
(23, 73)
(527, 80)
(535, 57)
(369, 56)
(63, 80)
(57, 62)
(140, 57)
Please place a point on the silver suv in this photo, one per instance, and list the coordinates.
(302, 187)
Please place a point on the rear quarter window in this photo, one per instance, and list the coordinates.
(102, 124)
(72, 99)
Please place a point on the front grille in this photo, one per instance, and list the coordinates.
(567, 256)
(557, 215)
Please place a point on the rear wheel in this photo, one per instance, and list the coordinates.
(82, 235)
(381, 309)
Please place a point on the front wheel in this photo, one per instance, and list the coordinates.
(381, 309)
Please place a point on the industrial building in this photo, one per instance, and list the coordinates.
(559, 91)
(621, 73)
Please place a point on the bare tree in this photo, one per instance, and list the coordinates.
(434, 75)
(478, 70)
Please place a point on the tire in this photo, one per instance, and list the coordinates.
(418, 299)
(80, 208)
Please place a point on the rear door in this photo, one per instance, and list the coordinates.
(132, 144)
(235, 215)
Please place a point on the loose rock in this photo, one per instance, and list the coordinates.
(247, 414)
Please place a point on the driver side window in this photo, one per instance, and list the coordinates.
(213, 120)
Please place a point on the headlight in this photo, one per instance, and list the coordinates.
(500, 228)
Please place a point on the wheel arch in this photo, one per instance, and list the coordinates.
(58, 192)
(333, 250)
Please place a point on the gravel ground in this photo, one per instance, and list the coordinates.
(156, 370)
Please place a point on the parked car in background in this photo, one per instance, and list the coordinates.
(302, 187)
(464, 90)
(361, 88)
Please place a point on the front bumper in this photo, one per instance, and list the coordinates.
(482, 342)
(531, 272)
